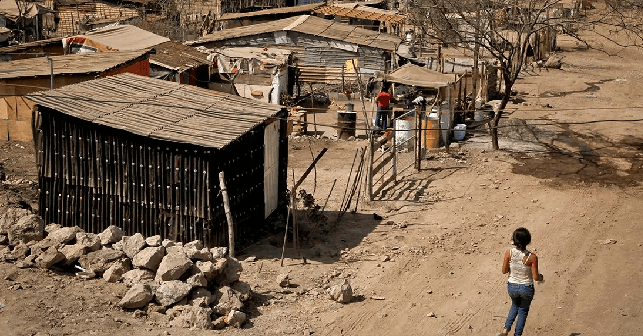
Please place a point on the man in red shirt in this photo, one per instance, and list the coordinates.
(383, 101)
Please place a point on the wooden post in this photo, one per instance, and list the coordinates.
(369, 176)
(394, 149)
(228, 215)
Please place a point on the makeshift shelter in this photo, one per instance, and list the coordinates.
(179, 63)
(29, 17)
(78, 16)
(366, 17)
(323, 47)
(145, 154)
(21, 77)
(232, 20)
(260, 73)
(112, 38)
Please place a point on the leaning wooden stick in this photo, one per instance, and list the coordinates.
(228, 214)
(283, 248)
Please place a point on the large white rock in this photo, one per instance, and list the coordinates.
(226, 300)
(194, 317)
(235, 318)
(72, 253)
(49, 258)
(149, 257)
(153, 241)
(138, 276)
(137, 297)
(231, 271)
(89, 240)
(172, 267)
(115, 272)
(170, 292)
(342, 292)
(63, 235)
(111, 235)
(197, 280)
(99, 261)
(133, 244)
(21, 225)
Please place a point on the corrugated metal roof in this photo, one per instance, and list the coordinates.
(24, 46)
(410, 74)
(272, 11)
(357, 11)
(311, 25)
(177, 56)
(68, 64)
(159, 109)
(125, 37)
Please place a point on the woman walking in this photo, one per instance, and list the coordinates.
(522, 266)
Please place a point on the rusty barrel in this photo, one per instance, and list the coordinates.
(346, 123)
(431, 127)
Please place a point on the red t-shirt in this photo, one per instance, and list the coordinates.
(383, 99)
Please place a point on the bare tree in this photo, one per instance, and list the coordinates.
(508, 30)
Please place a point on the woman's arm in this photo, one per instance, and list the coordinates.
(534, 268)
(505, 262)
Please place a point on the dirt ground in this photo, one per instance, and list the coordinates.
(432, 265)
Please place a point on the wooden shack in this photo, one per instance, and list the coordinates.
(322, 46)
(24, 76)
(145, 155)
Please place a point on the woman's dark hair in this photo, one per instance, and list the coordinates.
(521, 238)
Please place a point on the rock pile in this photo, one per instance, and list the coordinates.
(195, 286)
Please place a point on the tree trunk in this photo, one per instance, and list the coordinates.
(498, 115)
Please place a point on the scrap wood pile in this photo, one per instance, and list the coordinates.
(196, 287)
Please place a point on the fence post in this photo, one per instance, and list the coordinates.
(369, 176)
(228, 215)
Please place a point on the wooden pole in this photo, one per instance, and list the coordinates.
(228, 215)
(310, 168)
(283, 248)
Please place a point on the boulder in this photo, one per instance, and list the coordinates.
(134, 244)
(51, 227)
(342, 292)
(63, 235)
(49, 258)
(173, 266)
(115, 272)
(243, 290)
(167, 243)
(149, 258)
(118, 246)
(553, 62)
(26, 229)
(19, 252)
(207, 268)
(219, 252)
(137, 297)
(174, 249)
(201, 293)
(195, 244)
(235, 318)
(28, 262)
(11, 217)
(226, 300)
(111, 235)
(91, 241)
(194, 317)
(138, 276)
(283, 280)
(219, 323)
(197, 280)
(219, 265)
(231, 271)
(192, 252)
(72, 253)
(99, 261)
(170, 292)
(4, 240)
(153, 241)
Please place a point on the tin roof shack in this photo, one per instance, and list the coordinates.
(366, 17)
(179, 63)
(21, 77)
(51, 47)
(112, 38)
(78, 16)
(29, 18)
(233, 20)
(322, 46)
(145, 155)
(260, 73)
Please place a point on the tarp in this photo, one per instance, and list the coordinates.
(112, 38)
(411, 74)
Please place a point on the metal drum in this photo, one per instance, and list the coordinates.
(346, 123)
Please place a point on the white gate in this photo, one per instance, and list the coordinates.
(271, 167)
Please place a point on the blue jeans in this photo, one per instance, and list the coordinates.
(381, 117)
(521, 296)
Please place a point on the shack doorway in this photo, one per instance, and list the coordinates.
(271, 167)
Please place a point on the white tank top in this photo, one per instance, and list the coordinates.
(519, 273)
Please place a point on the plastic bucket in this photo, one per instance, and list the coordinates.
(404, 132)
(459, 131)
(346, 122)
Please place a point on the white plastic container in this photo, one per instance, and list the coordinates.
(459, 131)
(403, 132)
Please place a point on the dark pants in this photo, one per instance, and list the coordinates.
(521, 296)
(382, 116)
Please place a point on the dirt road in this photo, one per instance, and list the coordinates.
(431, 266)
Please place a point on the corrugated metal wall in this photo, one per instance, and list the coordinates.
(92, 177)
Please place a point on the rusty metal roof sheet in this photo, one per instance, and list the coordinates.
(357, 11)
(69, 64)
(311, 25)
(24, 46)
(272, 11)
(176, 56)
(159, 109)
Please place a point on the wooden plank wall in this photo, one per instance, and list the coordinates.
(92, 177)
